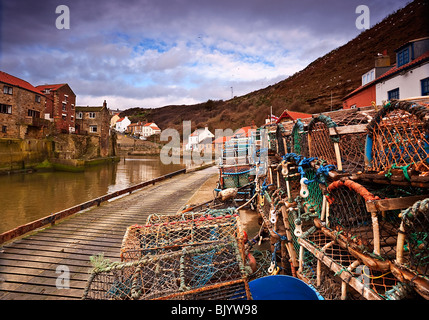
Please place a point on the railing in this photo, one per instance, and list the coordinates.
(31, 226)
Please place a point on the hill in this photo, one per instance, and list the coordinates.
(328, 78)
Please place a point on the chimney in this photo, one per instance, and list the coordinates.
(105, 104)
(382, 60)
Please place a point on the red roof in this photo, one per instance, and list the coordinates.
(222, 139)
(17, 82)
(293, 115)
(52, 87)
(244, 132)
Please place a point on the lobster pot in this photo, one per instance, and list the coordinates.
(140, 241)
(398, 139)
(167, 218)
(413, 247)
(352, 149)
(352, 132)
(299, 139)
(284, 137)
(184, 274)
(372, 232)
(235, 176)
(314, 201)
(339, 137)
(291, 178)
(337, 274)
(188, 215)
(321, 144)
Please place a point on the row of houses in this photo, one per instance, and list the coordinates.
(28, 111)
(140, 129)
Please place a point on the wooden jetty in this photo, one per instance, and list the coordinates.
(31, 266)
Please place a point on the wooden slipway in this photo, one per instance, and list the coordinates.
(30, 267)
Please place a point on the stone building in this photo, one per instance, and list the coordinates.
(21, 109)
(60, 106)
(95, 121)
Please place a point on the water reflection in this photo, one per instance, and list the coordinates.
(28, 197)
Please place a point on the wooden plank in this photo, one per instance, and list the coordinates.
(393, 203)
(357, 128)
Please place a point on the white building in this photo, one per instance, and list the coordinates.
(409, 78)
(122, 124)
(197, 136)
(150, 129)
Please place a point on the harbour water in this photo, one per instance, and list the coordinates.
(28, 197)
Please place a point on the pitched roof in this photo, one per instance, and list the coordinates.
(222, 139)
(392, 71)
(293, 115)
(50, 86)
(89, 109)
(17, 82)
(207, 140)
(197, 132)
(244, 131)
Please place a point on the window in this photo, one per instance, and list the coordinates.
(33, 113)
(7, 90)
(37, 98)
(79, 115)
(4, 108)
(92, 115)
(393, 94)
(403, 57)
(3, 129)
(425, 86)
(64, 107)
(93, 129)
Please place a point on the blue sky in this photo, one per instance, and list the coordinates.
(152, 53)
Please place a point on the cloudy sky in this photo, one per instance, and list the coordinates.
(152, 53)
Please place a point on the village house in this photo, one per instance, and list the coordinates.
(406, 79)
(122, 124)
(115, 117)
(60, 106)
(287, 116)
(21, 109)
(95, 121)
(135, 129)
(150, 129)
(197, 136)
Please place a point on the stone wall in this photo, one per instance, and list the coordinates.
(17, 154)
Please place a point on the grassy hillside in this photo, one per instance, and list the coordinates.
(309, 90)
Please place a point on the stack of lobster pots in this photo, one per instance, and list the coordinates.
(345, 201)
